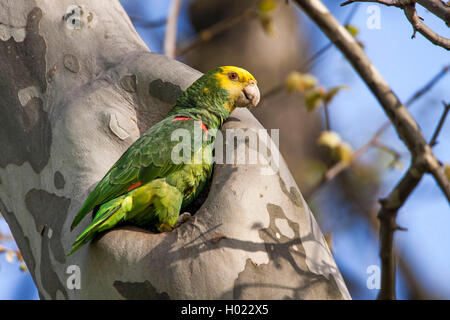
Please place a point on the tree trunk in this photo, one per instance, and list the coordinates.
(78, 86)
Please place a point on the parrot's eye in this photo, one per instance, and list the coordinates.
(233, 76)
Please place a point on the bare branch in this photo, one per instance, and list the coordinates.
(438, 8)
(216, 29)
(5, 237)
(416, 289)
(433, 140)
(393, 3)
(171, 29)
(428, 85)
(441, 10)
(387, 216)
(384, 147)
(327, 117)
(434, 167)
(418, 25)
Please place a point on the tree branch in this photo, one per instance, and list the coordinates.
(438, 8)
(433, 140)
(409, 8)
(216, 29)
(389, 3)
(416, 289)
(387, 216)
(418, 25)
(171, 29)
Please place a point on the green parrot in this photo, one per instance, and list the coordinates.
(149, 185)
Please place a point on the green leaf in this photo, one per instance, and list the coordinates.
(313, 98)
(352, 29)
(396, 164)
(267, 24)
(297, 81)
(331, 93)
(266, 6)
(23, 267)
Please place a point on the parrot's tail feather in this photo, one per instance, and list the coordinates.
(157, 202)
(111, 210)
(84, 210)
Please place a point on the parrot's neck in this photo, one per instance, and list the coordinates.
(206, 101)
(212, 118)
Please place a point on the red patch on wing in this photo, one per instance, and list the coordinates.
(204, 128)
(134, 186)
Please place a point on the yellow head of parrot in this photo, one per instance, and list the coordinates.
(241, 86)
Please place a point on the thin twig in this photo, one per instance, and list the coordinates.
(378, 144)
(409, 8)
(207, 34)
(327, 117)
(428, 86)
(171, 29)
(433, 140)
(422, 28)
(438, 8)
(394, 3)
(5, 237)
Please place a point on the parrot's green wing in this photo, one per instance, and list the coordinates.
(146, 159)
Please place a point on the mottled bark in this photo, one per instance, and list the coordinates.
(74, 94)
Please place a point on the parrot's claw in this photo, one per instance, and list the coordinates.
(182, 218)
(164, 227)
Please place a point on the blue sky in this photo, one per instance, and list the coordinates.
(406, 64)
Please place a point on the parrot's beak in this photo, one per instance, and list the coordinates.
(250, 96)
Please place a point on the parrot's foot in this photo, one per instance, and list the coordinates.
(164, 227)
(182, 218)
